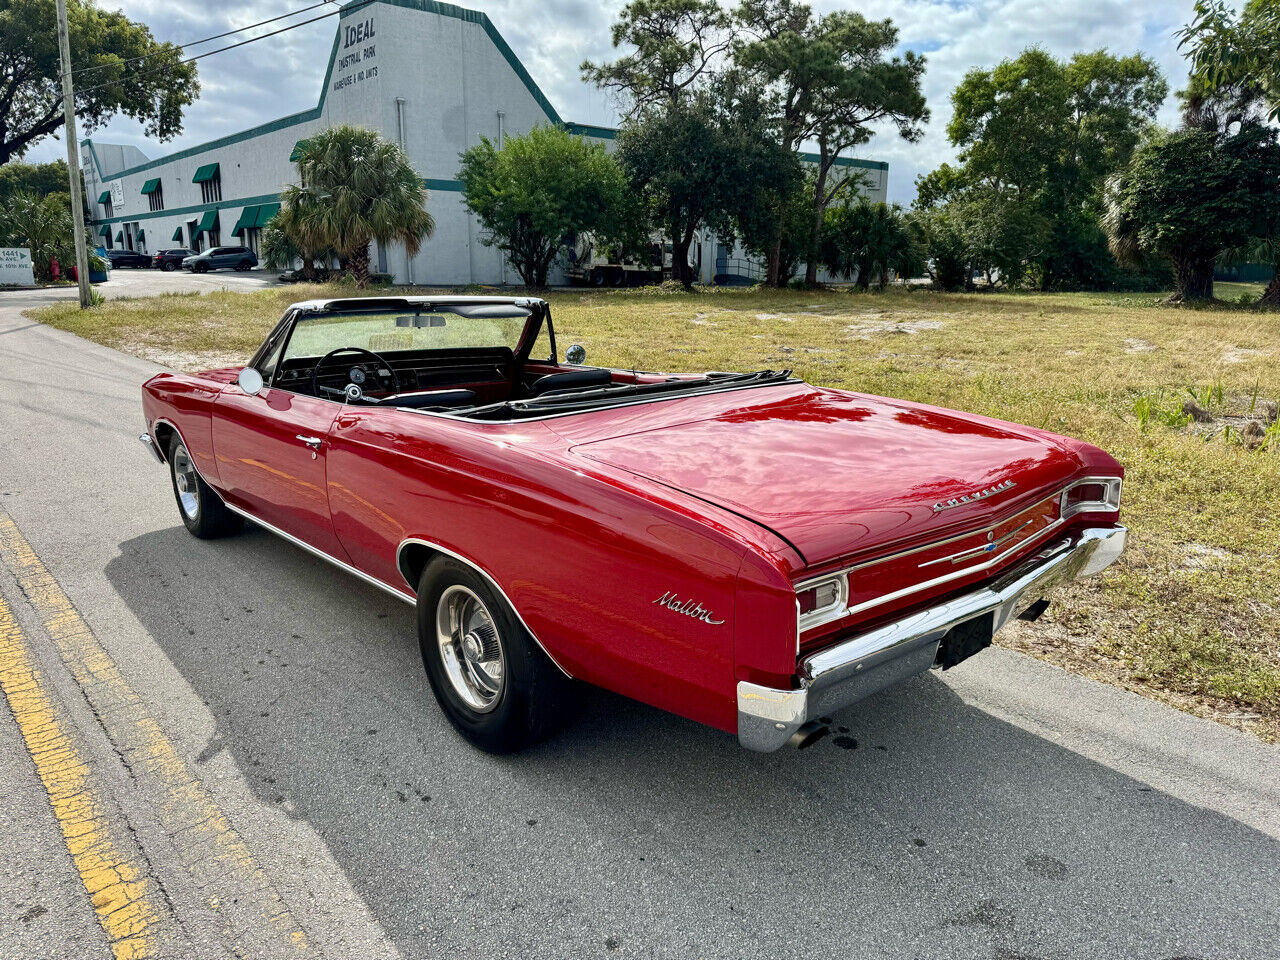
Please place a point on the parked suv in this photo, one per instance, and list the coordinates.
(171, 259)
(128, 258)
(237, 258)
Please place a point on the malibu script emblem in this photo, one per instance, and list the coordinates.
(974, 497)
(690, 608)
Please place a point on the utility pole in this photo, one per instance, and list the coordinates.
(73, 157)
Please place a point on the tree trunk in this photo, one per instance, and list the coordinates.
(358, 264)
(680, 269)
(1270, 299)
(819, 208)
(773, 277)
(1192, 279)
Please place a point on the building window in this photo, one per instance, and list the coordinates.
(211, 190)
(210, 179)
(155, 199)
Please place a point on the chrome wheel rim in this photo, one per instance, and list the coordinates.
(184, 482)
(470, 648)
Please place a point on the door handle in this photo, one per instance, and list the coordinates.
(312, 442)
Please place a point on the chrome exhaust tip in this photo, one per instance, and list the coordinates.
(809, 734)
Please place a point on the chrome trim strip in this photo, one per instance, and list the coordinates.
(868, 662)
(987, 547)
(340, 564)
(928, 546)
(488, 577)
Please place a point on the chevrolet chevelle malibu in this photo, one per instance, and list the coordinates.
(743, 549)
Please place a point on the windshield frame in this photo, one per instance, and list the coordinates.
(539, 315)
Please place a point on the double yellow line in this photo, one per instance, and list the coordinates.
(131, 908)
(124, 898)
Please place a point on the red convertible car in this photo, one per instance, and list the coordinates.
(743, 549)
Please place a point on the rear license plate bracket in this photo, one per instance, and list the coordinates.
(965, 639)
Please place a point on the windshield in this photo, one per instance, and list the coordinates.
(406, 329)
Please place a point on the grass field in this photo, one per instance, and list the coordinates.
(1190, 615)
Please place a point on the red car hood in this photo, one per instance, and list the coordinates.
(834, 473)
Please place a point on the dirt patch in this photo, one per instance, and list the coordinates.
(1250, 419)
(1135, 345)
(1241, 354)
(873, 326)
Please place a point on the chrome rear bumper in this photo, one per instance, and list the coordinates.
(862, 665)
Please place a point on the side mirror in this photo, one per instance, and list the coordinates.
(576, 354)
(250, 381)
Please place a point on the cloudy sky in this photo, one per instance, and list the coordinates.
(247, 86)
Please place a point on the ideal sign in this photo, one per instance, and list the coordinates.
(15, 267)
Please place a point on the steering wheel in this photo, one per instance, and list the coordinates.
(357, 379)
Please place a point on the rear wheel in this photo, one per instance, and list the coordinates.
(244, 265)
(202, 510)
(494, 683)
(168, 266)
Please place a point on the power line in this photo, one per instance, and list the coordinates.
(293, 26)
(216, 36)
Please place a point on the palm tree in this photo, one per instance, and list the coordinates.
(355, 187)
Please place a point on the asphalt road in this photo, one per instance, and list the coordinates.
(1005, 810)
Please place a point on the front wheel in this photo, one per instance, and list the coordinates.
(494, 683)
(202, 510)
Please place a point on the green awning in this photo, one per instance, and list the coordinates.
(151, 186)
(105, 231)
(248, 218)
(207, 172)
(104, 196)
(265, 213)
(296, 155)
(208, 222)
(120, 237)
(177, 235)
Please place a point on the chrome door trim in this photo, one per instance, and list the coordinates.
(340, 564)
(488, 578)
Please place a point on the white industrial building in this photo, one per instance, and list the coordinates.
(432, 76)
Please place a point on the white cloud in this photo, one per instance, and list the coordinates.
(552, 37)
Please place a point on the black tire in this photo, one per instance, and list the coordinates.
(201, 268)
(597, 277)
(244, 265)
(168, 266)
(203, 513)
(535, 697)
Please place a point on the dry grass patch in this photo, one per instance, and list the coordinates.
(1191, 614)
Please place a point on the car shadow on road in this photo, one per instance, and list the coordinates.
(923, 827)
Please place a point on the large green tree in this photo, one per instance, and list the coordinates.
(1049, 133)
(674, 49)
(701, 163)
(833, 78)
(120, 69)
(696, 142)
(355, 187)
(1229, 49)
(1191, 195)
(541, 188)
(1235, 68)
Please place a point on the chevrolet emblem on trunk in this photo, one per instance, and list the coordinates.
(974, 497)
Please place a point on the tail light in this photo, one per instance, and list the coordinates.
(1091, 495)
